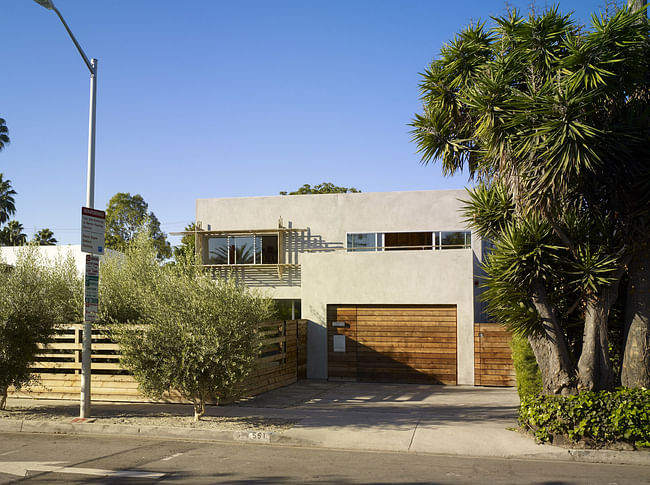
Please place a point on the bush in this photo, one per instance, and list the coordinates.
(194, 335)
(36, 295)
(596, 418)
(529, 378)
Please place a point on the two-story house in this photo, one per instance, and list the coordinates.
(388, 281)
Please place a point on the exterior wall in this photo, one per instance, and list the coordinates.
(395, 277)
(330, 275)
(9, 254)
(330, 216)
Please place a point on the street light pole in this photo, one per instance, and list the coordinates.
(84, 405)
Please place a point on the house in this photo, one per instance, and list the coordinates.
(387, 281)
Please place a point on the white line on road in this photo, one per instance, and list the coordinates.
(171, 456)
(20, 468)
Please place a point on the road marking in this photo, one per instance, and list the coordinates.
(20, 468)
(171, 456)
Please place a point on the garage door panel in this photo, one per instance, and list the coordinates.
(407, 339)
(397, 343)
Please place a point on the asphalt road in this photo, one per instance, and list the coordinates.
(53, 459)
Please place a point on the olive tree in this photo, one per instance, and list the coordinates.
(185, 332)
(36, 296)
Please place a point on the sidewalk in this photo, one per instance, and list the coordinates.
(465, 421)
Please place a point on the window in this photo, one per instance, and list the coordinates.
(366, 241)
(244, 249)
(409, 241)
(404, 241)
(455, 240)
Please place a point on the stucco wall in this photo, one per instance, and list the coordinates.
(9, 254)
(395, 277)
(330, 216)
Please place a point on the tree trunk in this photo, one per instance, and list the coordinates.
(595, 367)
(3, 397)
(550, 348)
(635, 371)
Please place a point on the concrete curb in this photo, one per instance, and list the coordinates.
(639, 458)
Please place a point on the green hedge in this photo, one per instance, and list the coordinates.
(529, 378)
(597, 418)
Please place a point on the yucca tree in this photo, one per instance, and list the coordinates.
(556, 116)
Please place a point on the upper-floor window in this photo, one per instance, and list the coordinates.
(245, 249)
(367, 241)
(405, 241)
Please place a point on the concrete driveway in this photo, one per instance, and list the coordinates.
(458, 420)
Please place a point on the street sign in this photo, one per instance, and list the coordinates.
(91, 294)
(93, 224)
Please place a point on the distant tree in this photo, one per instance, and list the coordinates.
(36, 296)
(128, 214)
(324, 188)
(188, 245)
(44, 237)
(4, 137)
(12, 234)
(7, 202)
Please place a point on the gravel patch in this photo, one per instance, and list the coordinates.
(164, 419)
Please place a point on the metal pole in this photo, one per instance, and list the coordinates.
(84, 407)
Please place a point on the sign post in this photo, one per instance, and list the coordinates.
(93, 223)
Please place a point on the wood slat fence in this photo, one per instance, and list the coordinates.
(282, 360)
(492, 356)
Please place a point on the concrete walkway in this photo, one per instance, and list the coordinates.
(465, 421)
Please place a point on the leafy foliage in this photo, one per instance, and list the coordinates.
(44, 237)
(550, 117)
(12, 234)
(188, 244)
(126, 215)
(4, 137)
(7, 202)
(597, 418)
(185, 331)
(36, 296)
(529, 378)
(323, 188)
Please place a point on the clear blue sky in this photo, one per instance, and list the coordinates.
(219, 99)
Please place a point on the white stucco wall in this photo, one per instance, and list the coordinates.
(9, 254)
(339, 277)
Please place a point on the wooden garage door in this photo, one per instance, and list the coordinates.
(394, 343)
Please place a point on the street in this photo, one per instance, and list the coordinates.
(56, 459)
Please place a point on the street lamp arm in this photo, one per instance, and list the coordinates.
(81, 51)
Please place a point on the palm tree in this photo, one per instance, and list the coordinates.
(44, 237)
(7, 202)
(12, 234)
(4, 138)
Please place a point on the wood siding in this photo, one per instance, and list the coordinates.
(281, 362)
(492, 356)
(394, 343)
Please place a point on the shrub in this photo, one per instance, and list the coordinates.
(36, 295)
(529, 378)
(598, 418)
(194, 335)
